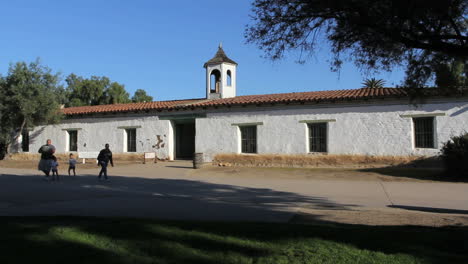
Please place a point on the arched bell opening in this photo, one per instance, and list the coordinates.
(215, 81)
(228, 78)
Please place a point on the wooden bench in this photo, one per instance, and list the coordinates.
(88, 155)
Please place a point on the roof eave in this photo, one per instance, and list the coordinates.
(214, 63)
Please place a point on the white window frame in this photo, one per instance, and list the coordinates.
(239, 136)
(124, 142)
(67, 138)
(434, 128)
(307, 139)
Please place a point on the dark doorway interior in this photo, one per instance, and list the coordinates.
(185, 139)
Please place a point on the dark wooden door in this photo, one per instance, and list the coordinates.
(185, 140)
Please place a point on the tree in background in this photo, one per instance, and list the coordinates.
(116, 94)
(29, 97)
(373, 83)
(140, 96)
(82, 91)
(94, 91)
(3, 129)
(452, 74)
(375, 34)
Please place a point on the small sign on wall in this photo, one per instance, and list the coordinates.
(149, 155)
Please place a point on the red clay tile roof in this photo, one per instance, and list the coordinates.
(320, 96)
(158, 105)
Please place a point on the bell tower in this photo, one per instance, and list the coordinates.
(220, 76)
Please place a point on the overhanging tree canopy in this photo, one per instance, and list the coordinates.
(377, 34)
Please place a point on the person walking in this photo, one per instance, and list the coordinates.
(47, 152)
(71, 164)
(104, 157)
(55, 164)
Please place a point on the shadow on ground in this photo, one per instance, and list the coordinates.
(120, 240)
(429, 209)
(430, 168)
(151, 197)
(65, 239)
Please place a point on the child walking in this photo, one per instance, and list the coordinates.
(71, 164)
(55, 164)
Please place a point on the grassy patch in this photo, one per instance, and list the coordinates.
(115, 240)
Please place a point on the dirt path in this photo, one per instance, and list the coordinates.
(173, 190)
(380, 217)
(346, 174)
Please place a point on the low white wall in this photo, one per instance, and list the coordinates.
(358, 129)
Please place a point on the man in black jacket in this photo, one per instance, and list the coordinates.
(47, 152)
(104, 157)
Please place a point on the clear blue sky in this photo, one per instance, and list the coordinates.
(158, 46)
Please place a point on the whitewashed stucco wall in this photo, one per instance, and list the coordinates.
(226, 91)
(367, 129)
(358, 129)
(93, 133)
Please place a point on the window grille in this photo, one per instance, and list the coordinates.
(318, 137)
(423, 132)
(248, 139)
(131, 139)
(72, 140)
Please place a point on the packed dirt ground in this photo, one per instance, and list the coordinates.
(380, 217)
(63, 165)
(304, 214)
(346, 174)
(351, 174)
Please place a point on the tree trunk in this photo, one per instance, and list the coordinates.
(2, 150)
(15, 138)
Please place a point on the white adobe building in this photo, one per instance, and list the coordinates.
(360, 121)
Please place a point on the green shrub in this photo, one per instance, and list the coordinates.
(454, 154)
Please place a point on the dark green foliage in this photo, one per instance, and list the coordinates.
(3, 129)
(373, 83)
(455, 156)
(452, 74)
(82, 91)
(98, 91)
(141, 96)
(375, 34)
(116, 94)
(30, 96)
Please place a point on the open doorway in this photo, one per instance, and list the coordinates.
(184, 139)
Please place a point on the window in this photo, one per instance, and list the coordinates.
(131, 139)
(228, 78)
(25, 140)
(72, 140)
(248, 139)
(317, 137)
(423, 132)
